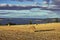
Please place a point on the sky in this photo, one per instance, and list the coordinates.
(43, 3)
(23, 13)
(25, 2)
(29, 14)
(29, 2)
(19, 2)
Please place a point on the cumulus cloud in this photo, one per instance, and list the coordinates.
(29, 14)
(10, 5)
(44, 2)
(3, 4)
(56, 3)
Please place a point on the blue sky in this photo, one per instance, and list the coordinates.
(56, 2)
(26, 2)
(19, 2)
(29, 14)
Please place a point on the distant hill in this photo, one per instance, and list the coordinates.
(27, 20)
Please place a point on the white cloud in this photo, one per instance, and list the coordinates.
(10, 5)
(3, 4)
(44, 2)
(56, 2)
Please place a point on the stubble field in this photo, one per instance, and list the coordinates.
(49, 31)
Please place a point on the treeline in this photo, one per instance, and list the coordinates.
(31, 22)
(8, 23)
(53, 20)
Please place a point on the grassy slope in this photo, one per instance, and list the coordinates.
(26, 32)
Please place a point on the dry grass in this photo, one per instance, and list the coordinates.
(27, 32)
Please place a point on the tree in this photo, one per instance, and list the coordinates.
(10, 23)
(30, 22)
(56, 19)
(0, 21)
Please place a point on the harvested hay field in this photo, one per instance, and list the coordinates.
(50, 31)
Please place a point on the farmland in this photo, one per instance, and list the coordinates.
(49, 31)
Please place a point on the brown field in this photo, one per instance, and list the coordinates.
(49, 31)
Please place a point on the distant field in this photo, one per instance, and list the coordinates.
(49, 31)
